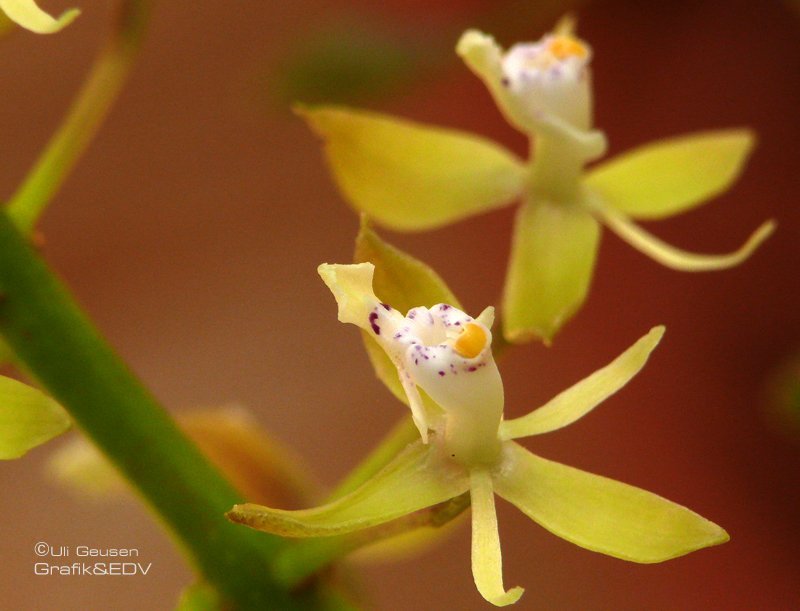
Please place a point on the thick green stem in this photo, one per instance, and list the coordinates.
(90, 107)
(58, 344)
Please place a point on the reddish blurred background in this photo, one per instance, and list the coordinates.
(192, 228)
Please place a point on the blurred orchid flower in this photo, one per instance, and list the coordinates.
(27, 14)
(413, 177)
(468, 447)
(28, 418)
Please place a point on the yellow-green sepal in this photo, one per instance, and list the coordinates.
(409, 176)
(487, 560)
(402, 281)
(28, 418)
(578, 400)
(552, 259)
(414, 480)
(670, 176)
(28, 15)
(599, 513)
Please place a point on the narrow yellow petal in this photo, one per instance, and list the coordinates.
(676, 258)
(580, 399)
(601, 514)
(409, 176)
(28, 15)
(552, 260)
(414, 480)
(670, 176)
(487, 561)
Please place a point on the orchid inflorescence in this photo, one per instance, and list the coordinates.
(410, 177)
(438, 359)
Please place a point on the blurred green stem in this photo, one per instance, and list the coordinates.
(59, 345)
(88, 110)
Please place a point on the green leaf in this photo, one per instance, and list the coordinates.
(601, 514)
(670, 176)
(412, 481)
(31, 17)
(552, 259)
(28, 418)
(403, 282)
(408, 176)
(487, 561)
(583, 397)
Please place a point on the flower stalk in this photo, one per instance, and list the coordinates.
(102, 86)
(62, 349)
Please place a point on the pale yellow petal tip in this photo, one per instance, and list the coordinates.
(326, 120)
(479, 51)
(722, 536)
(655, 334)
(307, 112)
(338, 276)
(471, 40)
(507, 598)
(524, 335)
(29, 16)
(257, 517)
(486, 318)
(567, 25)
(351, 286)
(748, 136)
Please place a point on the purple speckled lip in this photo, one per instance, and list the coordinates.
(423, 338)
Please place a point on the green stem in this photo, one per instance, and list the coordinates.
(90, 107)
(58, 344)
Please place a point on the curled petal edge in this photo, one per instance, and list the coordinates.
(487, 563)
(678, 259)
(29, 16)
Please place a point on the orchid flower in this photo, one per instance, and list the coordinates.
(413, 177)
(27, 14)
(468, 447)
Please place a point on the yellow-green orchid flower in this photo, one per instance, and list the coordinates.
(27, 14)
(468, 447)
(413, 177)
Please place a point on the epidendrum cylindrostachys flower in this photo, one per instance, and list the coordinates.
(466, 446)
(28, 15)
(413, 177)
